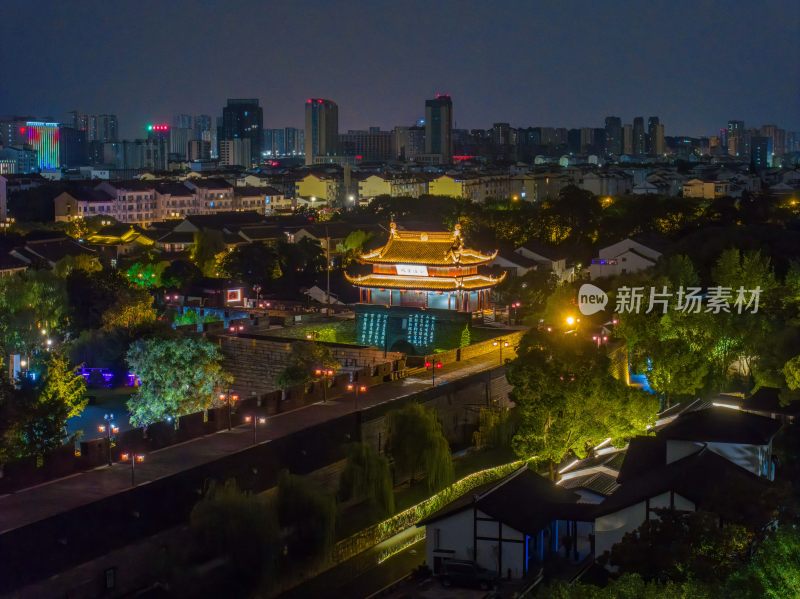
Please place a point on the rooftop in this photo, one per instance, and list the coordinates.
(426, 247)
(721, 425)
(468, 283)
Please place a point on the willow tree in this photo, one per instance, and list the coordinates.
(309, 513)
(367, 474)
(417, 444)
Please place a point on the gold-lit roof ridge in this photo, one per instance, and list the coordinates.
(467, 283)
(433, 248)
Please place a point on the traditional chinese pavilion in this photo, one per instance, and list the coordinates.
(421, 281)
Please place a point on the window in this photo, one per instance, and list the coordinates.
(437, 538)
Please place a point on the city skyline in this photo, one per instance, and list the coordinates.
(548, 70)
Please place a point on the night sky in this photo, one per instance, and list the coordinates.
(695, 64)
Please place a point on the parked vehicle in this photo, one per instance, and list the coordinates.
(466, 574)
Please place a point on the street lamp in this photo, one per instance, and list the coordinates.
(501, 345)
(255, 421)
(133, 458)
(570, 320)
(433, 366)
(515, 306)
(599, 339)
(356, 390)
(325, 374)
(229, 398)
(109, 428)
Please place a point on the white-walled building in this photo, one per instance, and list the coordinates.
(624, 257)
(510, 526)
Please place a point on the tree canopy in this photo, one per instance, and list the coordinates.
(179, 376)
(416, 442)
(569, 401)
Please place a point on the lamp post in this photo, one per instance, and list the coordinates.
(109, 428)
(356, 390)
(255, 421)
(133, 458)
(325, 374)
(229, 398)
(516, 306)
(501, 344)
(432, 366)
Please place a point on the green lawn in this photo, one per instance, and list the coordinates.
(344, 331)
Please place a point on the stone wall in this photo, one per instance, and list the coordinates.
(256, 361)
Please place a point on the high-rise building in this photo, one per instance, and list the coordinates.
(97, 127)
(409, 142)
(613, 135)
(235, 152)
(199, 149)
(627, 139)
(183, 121)
(736, 141)
(279, 143)
(322, 128)
(73, 150)
(439, 127)
(243, 118)
(655, 137)
(372, 145)
(638, 136)
(778, 137)
(179, 138)
(587, 138)
(761, 150)
(43, 137)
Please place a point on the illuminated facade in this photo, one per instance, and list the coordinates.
(423, 286)
(44, 138)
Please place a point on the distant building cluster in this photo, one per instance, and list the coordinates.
(319, 166)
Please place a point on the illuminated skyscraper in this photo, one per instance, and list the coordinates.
(243, 119)
(439, 127)
(322, 128)
(43, 137)
(638, 136)
(613, 135)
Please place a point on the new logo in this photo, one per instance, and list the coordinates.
(591, 299)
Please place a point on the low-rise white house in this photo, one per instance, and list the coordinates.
(702, 480)
(509, 527)
(547, 257)
(623, 257)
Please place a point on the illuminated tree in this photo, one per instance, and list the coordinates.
(147, 275)
(132, 309)
(416, 442)
(207, 251)
(305, 358)
(82, 262)
(773, 572)
(179, 376)
(30, 303)
(568, 401)
(352, 245)
(63, 386)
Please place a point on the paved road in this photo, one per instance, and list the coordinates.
(36, 503)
